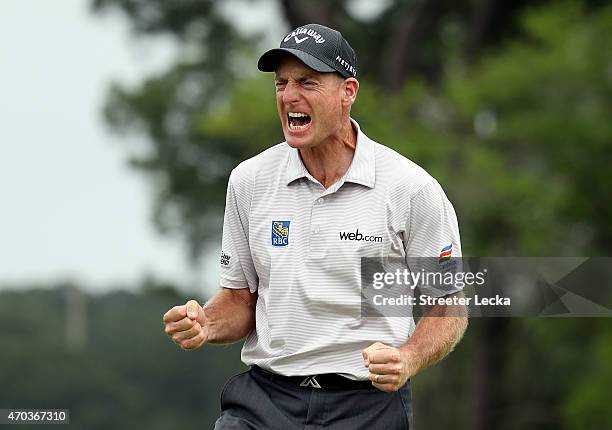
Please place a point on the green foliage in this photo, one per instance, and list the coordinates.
(589, 402)
(527, 129)
(127, 375)
(248, 122)
(550, 96)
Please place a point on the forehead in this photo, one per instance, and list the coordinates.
(290, 66)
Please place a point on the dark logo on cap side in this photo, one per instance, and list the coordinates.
(346, 65)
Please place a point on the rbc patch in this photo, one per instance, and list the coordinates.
(280, 233)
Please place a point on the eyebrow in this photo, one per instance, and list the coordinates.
(307, 75)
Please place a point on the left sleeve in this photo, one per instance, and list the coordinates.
(237, 269)
(433, 244)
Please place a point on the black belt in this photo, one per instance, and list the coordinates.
(323, 381)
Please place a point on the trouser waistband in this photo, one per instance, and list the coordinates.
(331, 381)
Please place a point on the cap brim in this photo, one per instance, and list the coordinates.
(268, 62)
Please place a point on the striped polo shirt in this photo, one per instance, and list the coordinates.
(299, 245)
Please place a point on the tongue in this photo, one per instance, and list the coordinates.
(299, 121)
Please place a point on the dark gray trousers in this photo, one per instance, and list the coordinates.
(252, 401)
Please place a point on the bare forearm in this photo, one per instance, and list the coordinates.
(435, 336)
(230, 315)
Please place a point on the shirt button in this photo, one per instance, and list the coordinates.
(320, 200)
(317, 230)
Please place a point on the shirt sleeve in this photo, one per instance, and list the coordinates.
(237, 269)
(433, 244)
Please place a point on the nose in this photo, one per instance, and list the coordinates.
(290, 93)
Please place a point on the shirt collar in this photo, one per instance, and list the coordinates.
(361, 171)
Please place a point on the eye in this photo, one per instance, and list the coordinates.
(279, 85)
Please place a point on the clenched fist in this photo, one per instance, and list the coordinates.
(389, 368)
(186, 325)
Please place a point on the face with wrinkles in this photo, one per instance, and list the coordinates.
(310, 104)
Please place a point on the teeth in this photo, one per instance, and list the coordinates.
(296, 127)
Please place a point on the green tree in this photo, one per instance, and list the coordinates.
(126, 375)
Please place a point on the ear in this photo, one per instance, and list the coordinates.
(350, 87)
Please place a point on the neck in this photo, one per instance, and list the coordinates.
(328, 161)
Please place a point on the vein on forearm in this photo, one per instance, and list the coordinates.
(229, 317)
(436, 335)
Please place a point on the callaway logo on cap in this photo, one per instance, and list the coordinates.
(319, 47)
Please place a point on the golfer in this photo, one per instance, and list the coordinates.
(298, 219)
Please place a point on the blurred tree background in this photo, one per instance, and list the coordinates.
(508, 104)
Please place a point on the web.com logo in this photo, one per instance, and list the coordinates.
(345, 235)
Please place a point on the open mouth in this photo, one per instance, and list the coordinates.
(298, 121)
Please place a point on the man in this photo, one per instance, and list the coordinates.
(298, 218)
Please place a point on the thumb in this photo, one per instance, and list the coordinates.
(366, 352)
(194, 310)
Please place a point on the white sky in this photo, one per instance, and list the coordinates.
(70, 207)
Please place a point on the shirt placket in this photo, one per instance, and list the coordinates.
(318, 229)
(320, 222)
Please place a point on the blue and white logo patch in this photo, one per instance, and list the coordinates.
(280, 233)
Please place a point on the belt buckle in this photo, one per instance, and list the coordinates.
(310, 381)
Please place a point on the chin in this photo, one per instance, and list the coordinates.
(298, 142)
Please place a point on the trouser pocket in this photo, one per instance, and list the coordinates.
(228, 385)
(405, 394)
